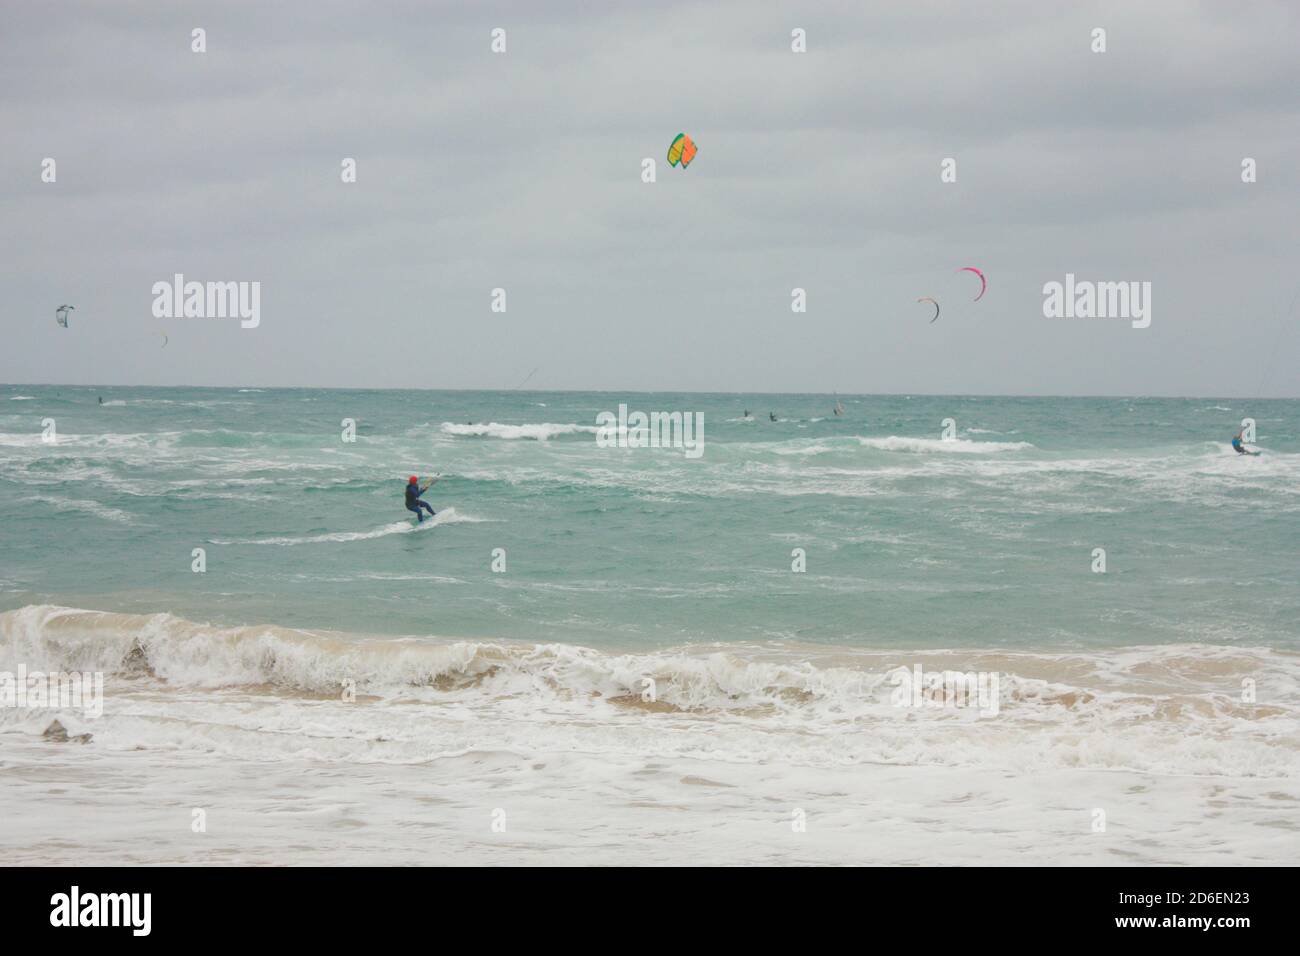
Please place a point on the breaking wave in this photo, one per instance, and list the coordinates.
(1173, 709)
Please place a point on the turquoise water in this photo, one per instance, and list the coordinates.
(983, 541)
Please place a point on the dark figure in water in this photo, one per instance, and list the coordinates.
(771, 416)
(101, 399)
(1238, 447)
(413, 502)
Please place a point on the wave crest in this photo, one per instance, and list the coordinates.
(957, 446)
(542, 431)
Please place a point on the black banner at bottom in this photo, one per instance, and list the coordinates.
(942, 906)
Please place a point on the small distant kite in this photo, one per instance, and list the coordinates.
(61, 314)
(682, 151)
(926, 298)
(983, 282)
(165, 339)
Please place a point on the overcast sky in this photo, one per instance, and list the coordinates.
(522, 170)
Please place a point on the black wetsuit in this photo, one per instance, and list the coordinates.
(413, 502)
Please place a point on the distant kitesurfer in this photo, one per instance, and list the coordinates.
(771, 416)
(413, 501)
(1238, 447)
(101, 399)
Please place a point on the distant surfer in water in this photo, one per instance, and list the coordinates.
(1238, 447)
(413, 500)
(771, 416)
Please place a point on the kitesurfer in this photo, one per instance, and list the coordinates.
(413, 492)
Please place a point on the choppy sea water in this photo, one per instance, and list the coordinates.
(1163, 692)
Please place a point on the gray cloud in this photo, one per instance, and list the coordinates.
(522, 171)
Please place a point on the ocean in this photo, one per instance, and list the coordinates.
(639, 654)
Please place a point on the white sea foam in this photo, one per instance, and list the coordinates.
(102, 440)
(537, 432)
(443, 517)
(588, 770)
(957, 446)
(88, 505)
(1167, 709)
(801, 449)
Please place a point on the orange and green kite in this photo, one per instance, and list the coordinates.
(682, 151)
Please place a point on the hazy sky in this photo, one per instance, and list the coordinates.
(522, 170)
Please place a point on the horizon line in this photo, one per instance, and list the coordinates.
(662, 391)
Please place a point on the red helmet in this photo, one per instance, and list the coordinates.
(412, 480)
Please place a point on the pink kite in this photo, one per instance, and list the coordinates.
(983, 283)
